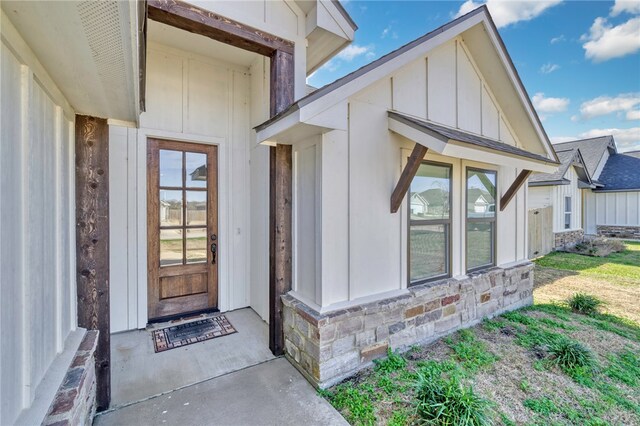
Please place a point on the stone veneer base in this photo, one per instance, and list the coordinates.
(567, 239)
(329, 347)
(627, 232)
(75, 401)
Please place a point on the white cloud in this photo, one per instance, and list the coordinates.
(626, 139)
(606, 41)
(507, 12)
(549, 68)
(557, 39)
(353, 51)
(549, 105)
(560, 139)
(619, 7)
(604, 105)
(633, 115)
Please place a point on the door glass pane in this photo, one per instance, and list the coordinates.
(429, 251)
(197, 245)
(481, 194)
(170, 247)
(429, 197)
(170, 168)
(196, 208)
(170, 208)
(479, 244)
(196, 170)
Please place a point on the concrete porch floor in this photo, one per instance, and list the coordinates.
(271, 393)
(138, 373)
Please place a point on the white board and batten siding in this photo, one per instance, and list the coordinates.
(190, 98)
(612, 209)
(554, 196)
(37, 234)
(360, 245)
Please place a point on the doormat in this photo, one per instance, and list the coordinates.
(176, 336)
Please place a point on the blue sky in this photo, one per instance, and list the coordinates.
(579, 60)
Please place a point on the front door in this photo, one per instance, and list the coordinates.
(182, 227)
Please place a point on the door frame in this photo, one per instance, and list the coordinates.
(212, 228)
(223, 182)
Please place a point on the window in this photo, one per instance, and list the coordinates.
(481, 218)
(567, 212)
(430, 223)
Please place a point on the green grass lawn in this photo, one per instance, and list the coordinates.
(542, 365)
(620, 267)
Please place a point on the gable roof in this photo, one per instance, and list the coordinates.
(621, 172)
(591, 150)
(635, 154)
(567, 159)
(368, 74)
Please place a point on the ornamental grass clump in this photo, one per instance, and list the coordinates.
(447, 401)
(584, 303)
(570, 356)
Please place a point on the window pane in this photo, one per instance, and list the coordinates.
(481, 194)
(567, 220)
(196, 245)
(170, 168)
(196, 170)
(196, 207)
(479, 244)
(429, 193)
(170, 247)
(429, 251)
(170, 208)
(567, 204)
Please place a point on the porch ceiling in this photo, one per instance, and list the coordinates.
(195, 43)
(88, 48)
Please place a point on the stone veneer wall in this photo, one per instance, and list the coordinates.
(75, 401)
(632, 232)
(567, 238)
(326, 348)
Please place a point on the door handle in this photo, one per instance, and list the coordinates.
(214, 249)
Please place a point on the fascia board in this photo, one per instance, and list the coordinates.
(422, 138)
(461, 150)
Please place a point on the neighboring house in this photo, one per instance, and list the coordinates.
(110, 113)
(611, 204)
(419, 205)
(560, 191)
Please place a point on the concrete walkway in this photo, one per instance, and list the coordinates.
(270, 393)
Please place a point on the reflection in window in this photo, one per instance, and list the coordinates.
(429, 223)
(481, 217)
(196, 165)
(567, 212)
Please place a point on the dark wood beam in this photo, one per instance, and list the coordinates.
(280, 201)
(409, 172)
(515, 186)
(197, 20)
(92, 242)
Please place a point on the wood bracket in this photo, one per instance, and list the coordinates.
(515, 186)
(409, 172)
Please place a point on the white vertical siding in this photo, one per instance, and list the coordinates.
(37, 232)
(307, 219)
(540, 196)
(194, 99)
(363, 245)
(611, 208)
(559, 192)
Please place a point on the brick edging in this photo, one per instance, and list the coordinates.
(75, 400)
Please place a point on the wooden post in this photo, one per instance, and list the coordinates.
(92, 242)
(280, 200)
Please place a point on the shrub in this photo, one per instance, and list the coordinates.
(600, 247)
(570, 355)
(446, 401)
(393, 362)
(584, 303)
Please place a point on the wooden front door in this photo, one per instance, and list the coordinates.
(182, 232)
